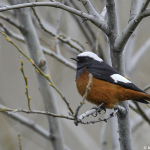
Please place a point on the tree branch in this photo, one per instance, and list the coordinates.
(146, 13)
(122, 39)
(97, 21)
(103, 134)
(89, 7)
(112, 19)
(135, 5)
(35, 112)
(10, 21)
(27, 122)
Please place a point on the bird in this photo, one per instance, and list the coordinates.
(108, 87)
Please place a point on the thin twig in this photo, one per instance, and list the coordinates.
(40, 72)
(19, 137)
(84, 98)
(27, 122)
(35, 112)
(146, 88)
(26, 83)
(11, 33)
(10, 21)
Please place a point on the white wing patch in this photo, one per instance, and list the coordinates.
(91, 55)
(118, 77)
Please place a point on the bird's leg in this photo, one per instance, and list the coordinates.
(98, 109)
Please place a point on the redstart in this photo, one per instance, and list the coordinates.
(108, 86)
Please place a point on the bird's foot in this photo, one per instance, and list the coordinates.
(98, 109)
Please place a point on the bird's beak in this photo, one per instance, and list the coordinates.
(74, 59)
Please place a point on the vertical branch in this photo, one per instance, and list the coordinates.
(103, 135)
(37, 55)
(118, 64)
(114, 134)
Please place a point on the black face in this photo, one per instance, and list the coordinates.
(82, 63)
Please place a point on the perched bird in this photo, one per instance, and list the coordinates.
(108, 86)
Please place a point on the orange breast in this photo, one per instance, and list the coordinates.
(102, 91)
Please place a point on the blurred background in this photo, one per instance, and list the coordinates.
(83, 137)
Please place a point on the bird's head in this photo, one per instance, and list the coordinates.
(85, 59)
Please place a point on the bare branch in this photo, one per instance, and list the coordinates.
(114, 134)
(97, 21)
(135, 6)
(27, 122)
(35, 112)
(11, 33)
(87, 113)
(146, 13)
(112, 18)
(89, 7)
(10, 21)
(146, 88)
(99, 120)
(103, 134)
(122, 39)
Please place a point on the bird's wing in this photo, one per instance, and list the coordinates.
(102, 71)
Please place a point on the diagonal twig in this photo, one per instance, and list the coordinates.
(84, 98)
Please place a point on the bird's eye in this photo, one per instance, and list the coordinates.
(85, 59)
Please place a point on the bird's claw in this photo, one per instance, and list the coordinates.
(98, 110)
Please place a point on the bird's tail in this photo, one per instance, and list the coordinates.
(144, 99)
